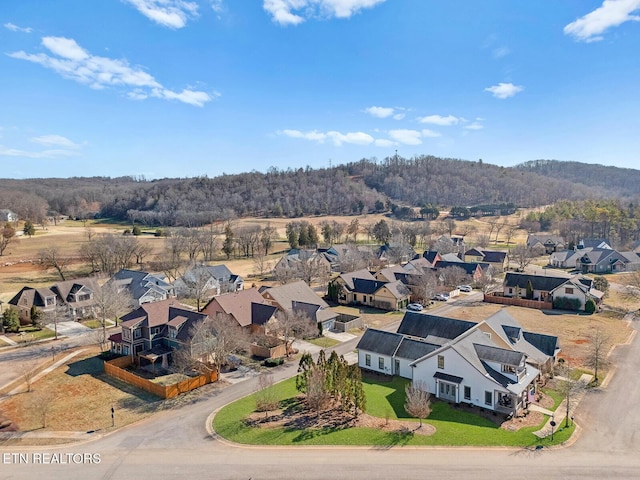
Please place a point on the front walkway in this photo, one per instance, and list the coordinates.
(561, 412)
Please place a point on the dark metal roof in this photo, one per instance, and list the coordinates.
(447, 378)
(422, 325)
(469, 267)
(498, 355)
(497, 376)
(368, 287)
(493, 256)
(414, 349)
(379, 341)
(512, 332)
(547, 344)
(261, 313)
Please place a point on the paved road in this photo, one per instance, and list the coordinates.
(175, 444)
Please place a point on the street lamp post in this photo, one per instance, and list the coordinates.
(553, 424)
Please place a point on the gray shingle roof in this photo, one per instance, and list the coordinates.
(448, 378)
(547, 344)
(414, 349)
(422, 325)
(499, 355)
(379, 341)
(538, 282)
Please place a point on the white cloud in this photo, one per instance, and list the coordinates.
(54, 141)
(408, 137)
(430, 133)
(293, 12)
(75, 63)
(54, 153)
(380, 112)
(611, 14)
(474, 126)
(338, 138)
(504, 90)
(168, 13)
(399, 116)
(358, 138)
(217, 6)
(16, 28)
(440, 120)
(500, 52)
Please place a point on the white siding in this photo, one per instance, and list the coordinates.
(405, 370)
(454, 364)
(375, 358)
(577, 294)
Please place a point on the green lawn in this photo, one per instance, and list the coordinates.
(31, 334)
(92, 323)
(324, 342)
(557, 397)
(384, 400)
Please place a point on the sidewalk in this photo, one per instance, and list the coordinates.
(7, 340)
(561, 412)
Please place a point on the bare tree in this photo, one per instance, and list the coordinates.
(110, 302)
(262, 266)
(424, 286)
(453, 276)
(482, 240)
(632, 288)
(51, 258)
(196, 282)
(54, 316)
(142, 250)
(511, 230)
(266, 398)
(570, 388)
(41, 402)
(291, 325)
(522, 255)
(597, 352)
(418, 400)
(28, 371)
(7, 235)
(486, 283)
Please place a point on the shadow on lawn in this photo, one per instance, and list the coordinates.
(88, 366)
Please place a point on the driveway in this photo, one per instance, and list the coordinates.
(69, 329)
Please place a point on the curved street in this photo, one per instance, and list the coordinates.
(176, 443)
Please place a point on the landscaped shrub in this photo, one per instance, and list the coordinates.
(136, 230)
(159, 233)
(273, 362)
(590, 306)
(566, 303)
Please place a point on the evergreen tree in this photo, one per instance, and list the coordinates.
(227, 246)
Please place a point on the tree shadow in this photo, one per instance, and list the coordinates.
(397, 438)
(89, 366)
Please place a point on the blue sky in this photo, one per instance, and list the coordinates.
(178, 88)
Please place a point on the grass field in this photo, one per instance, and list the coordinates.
(385, 401)
(324, 342)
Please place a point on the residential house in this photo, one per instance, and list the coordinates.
(599, 243)
(305, 263)
(636, 246)
(473, 269)
(543, 243)
(247, 307)
(299, 297)
(498, 260)
(42, 299)
(7, 215)
(547, 288)
(396, 252)
(78, 296)
(567, 258)
(362, 288)
(208, 279)
(154, 330)
(431, 256)
(143, 287)
(419, 265)
(606, 260)
(493, 364)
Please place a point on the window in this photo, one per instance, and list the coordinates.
(488, 398)
(137, 333)
(155, 330)
(568, 290)
(508, 369)
(173, 333)
(381, 363)
(126, 333)
(510, 290)
(367, 359)
(467, 393)
(440, 361)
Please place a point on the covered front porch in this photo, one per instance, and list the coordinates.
(149, 358)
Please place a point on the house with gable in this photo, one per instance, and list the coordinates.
(43, 299)
(567, 258)
(493, 364)
(362, 288)
(473, 269)
(547, 288)
(606, 260)
(247, 307)
(497, 259)
(7, 215)
(213, 279)
(143, 287)
(151, 332)
(542, 243)
(299, 297)
(78, 296)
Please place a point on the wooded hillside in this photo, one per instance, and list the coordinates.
(358, 187)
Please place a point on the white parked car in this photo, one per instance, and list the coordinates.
(416, 307)
(465, 288)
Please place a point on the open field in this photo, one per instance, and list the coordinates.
(81, 399)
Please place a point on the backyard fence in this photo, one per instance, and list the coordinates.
(520, 302)
(115, 368)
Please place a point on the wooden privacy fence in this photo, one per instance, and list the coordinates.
(520, 302)
(346, 322)
(115, 368)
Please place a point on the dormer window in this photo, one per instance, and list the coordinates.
(508, 369)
